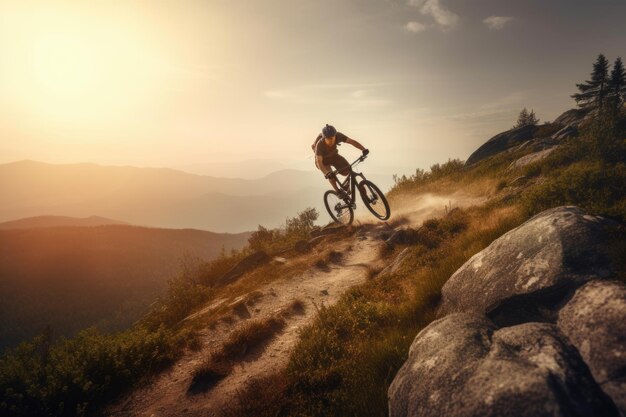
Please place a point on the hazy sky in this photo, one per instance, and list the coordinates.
(201, 84)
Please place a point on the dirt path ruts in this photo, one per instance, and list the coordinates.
(167, 395)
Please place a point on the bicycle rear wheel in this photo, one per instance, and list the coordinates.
(340, 211)
(374, 200)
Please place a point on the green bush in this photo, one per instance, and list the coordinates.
(75, 376)
(588, 171)
(596, 188)
(275, 240)
(421, 177)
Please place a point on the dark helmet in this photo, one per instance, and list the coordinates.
(328, 131)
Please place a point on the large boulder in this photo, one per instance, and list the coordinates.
(502, 142)
(564, 133)
(594, 320)
(462, 365)
(546, 257)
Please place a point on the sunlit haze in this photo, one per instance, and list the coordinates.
(204, 86)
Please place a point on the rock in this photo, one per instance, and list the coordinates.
(502, 142)
(302, 246)
(594, 320)
(571, 117)
(518, 181)
(462, 365)
(404, 236)
(549, 255)
(328, 230)
(531, 158)
(241, 310)
(566, 132)
(246, 264)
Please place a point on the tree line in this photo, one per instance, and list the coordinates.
(604, 92)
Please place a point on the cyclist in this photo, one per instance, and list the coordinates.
(327, 155)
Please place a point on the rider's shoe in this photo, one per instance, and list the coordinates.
(342, 194)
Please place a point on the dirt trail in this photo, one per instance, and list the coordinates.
(167, 395)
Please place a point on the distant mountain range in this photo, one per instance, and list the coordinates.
(56, 221)
(71, 277)
(159, 196)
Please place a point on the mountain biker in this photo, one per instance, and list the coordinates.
(327, 155)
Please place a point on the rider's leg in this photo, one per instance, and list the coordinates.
(341, 165)
(333, 182)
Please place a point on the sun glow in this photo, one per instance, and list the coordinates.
(59, 66)
(65, 65)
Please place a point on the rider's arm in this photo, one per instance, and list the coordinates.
(355, 144)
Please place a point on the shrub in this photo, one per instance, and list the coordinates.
(421, 177)
(275, 240)
(76, 375)
(597, 189)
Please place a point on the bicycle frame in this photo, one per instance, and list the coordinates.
(352, 179)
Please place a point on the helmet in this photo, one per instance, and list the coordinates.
(328, 131)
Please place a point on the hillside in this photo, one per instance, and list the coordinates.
(348, 351)
(157, 197)
(74, 277)
(502, 255)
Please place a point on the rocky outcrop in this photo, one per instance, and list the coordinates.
(570, 122)
(558, 248)
(564, 133)
(531, 327)
(463, 365)
(502, 142)
(531, 158)
(593, 321)
(572, 117)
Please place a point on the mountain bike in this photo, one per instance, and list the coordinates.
(342, 210)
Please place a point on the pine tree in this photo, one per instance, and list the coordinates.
(521, 118)
(526, 119)
(616, 94)
(593, 93)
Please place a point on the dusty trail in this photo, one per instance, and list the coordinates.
(167, 395)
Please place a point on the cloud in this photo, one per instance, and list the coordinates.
(497, 22)
(444, 17)
(415, 27)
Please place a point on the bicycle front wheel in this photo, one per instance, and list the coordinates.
(374, 200)
(340, 211)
